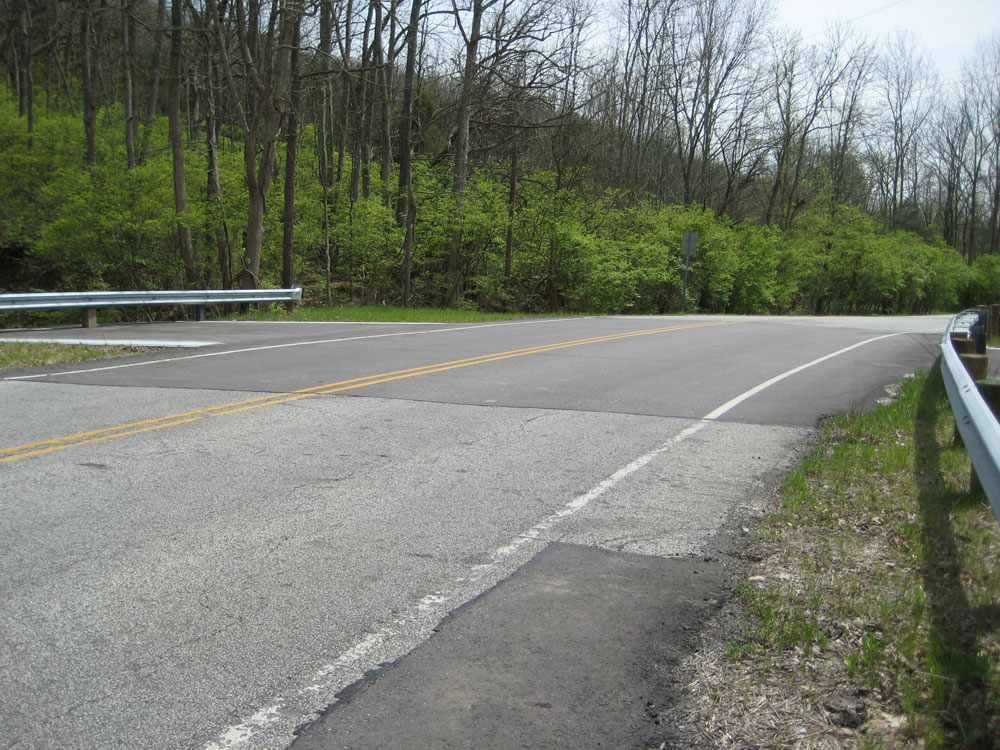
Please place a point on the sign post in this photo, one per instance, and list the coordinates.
(689, 243)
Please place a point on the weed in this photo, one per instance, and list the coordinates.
(18, 355)
(896, 571)
(377, 314)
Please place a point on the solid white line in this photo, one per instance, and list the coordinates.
(284, 346)
(113, 342)
(733, 403)
(357, 660)
(336, 322)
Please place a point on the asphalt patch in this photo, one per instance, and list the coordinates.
(581, 647)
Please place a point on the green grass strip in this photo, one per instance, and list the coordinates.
(378, 314)
(880, 574)
(15, 355)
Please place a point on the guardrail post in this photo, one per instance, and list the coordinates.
(978, 419)
(990, 388)
(978, 367)
(994, 321)
(981, 329)
(199, 313)
(89, 317)
(963, 344)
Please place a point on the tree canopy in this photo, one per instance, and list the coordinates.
(534, 155)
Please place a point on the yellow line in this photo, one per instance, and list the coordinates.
(280, 397)
(133, 428)
(96, 439)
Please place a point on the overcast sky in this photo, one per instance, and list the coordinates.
(948, 29)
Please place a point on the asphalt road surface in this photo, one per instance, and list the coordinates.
(497, 532)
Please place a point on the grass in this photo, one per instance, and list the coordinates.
(879, 573)
(378, 314)
(17, 355)
(277, 312)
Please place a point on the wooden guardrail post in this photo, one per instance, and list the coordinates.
(978, 367)
(90, 317)
(990, 388)
(994, 327)
(963, 344)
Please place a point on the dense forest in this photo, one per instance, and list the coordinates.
(535, 155)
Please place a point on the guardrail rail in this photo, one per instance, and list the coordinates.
(90, 302)
(975, 420)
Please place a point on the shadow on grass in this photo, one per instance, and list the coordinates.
(962, 699)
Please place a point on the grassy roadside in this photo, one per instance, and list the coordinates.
(871, 607)
(277, 312)
(378, 314)
(16, 355)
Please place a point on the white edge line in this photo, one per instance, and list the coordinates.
(733, 403)
(329, 679)
(278, 346)
(358, 322)
(111, 342)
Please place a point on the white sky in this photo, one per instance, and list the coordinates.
(947, 29)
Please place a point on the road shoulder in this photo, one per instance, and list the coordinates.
(578, 648)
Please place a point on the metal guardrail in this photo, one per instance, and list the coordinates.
(90, 302)
(976, 423)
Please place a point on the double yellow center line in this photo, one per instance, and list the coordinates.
(134, 428)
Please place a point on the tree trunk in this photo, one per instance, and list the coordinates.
(362, 139)
(291, 154)
(214, 189)
(386, 67)
(259, 104)
(87, 80)
(508, 260)
(461, 181)
(27, 80)
(177, 142)
(406, 124)
(128, 93)
(324, 137)
(154, 81)
(411, 219)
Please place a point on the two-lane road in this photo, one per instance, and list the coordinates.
(202, 547)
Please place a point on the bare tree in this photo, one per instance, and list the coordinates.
(643, 111)
(291, 157)
(984, 87)
(149, 117)
(804, 82)
(176, 141)
(88, 73)
(259, 99)
(502, 39)
(846, 116)
(405, 205)
(904, 85)
(712, 69)
(128, 81)
(472, 37)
